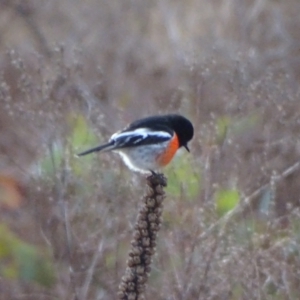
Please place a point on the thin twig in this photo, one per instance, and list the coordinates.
(247, 201)
(60, 186)
(91, 270)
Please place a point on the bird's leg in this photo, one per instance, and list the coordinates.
(157, 177)
(153, 173)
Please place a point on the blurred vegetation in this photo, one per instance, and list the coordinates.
(74, 72)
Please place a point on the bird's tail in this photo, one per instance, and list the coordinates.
(101, 148)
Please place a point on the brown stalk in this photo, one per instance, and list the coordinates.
(144, 240)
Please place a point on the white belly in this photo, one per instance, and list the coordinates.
(142, 158)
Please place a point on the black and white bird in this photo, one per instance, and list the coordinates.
(149, 144)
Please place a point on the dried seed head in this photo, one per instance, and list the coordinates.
(121, 294)
(144, 233)
(159, 190)
(136, 251)
(131, 286)
(142, 279)
(152, 217)
(140, 270)
(147, 259)
(137, 235)
(132, 296)
(150, 202)
(142, 224)
(160, 199)
(144, 241)
(153, 227)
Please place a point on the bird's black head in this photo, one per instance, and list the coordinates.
(183, 128)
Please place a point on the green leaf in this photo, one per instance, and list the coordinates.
(20, 260)
(222, 125)
(81, 136)
(226, 200)
(241, 125)
(183, 179)
(48, 163)
(235, 126)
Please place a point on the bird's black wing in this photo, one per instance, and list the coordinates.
(139, 137)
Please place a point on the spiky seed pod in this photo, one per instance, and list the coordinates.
(144, 240)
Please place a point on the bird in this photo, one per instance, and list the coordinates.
(149, 144)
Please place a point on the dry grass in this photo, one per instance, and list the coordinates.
(73, 72)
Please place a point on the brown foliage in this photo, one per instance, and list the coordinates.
(231, 66)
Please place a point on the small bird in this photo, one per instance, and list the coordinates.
(149, 144)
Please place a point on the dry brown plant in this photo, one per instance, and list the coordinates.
(73, 72)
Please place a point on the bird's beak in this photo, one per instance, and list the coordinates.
(90, 151)
(187, 148)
